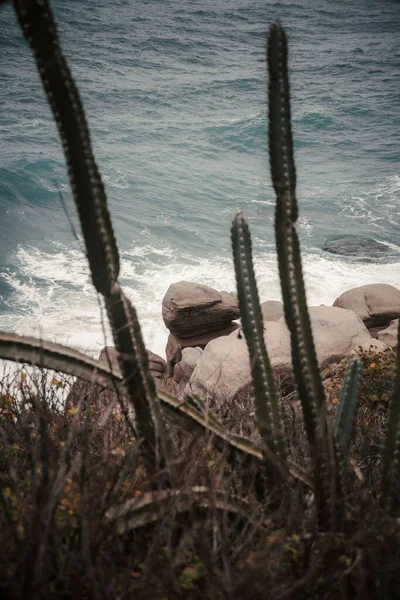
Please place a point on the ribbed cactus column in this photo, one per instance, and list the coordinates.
(40, 31)
(266, 399)
(391, 457)
(305, 364)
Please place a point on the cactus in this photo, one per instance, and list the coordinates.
(39, 28)
(266, 399)
(329, 445)
(391, 462)
(346, 410)
(151, 506)
(191, 414)
(305, 364)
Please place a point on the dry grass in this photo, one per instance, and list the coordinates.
(61, 469)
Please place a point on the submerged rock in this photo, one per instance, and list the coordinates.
(357, 247)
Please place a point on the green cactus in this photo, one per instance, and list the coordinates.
(305, 364)
(267, 407)
(347, 407)
(391, 462)
(190, 414)
(136, 383)
(39, 28)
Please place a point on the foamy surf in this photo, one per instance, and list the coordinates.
(52, 296)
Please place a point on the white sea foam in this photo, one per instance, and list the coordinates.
(53, 296)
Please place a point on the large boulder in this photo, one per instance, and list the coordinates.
(390, 335)
(175, 343)
(376, 304)
(222, 372)
(191, 309)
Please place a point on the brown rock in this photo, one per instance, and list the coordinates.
(190, 309)
(157, 365)
(109, 356)
(375, 304)
(222, 372)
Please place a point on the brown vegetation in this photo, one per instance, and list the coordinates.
(62, 470)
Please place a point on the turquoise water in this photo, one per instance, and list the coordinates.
(175, 95)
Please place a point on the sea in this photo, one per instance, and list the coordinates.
(175, 93)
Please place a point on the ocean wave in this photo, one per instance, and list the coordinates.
(52, 295)
(175, 94)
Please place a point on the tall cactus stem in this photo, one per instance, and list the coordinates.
(305, 364)
(140, 387)
(347, 407)
(391, 455)
(39, 28)
(266, 399)
(37, 23)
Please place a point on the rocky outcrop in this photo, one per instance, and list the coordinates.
(375, 304)
(192, 309)
(389, 336)
(223, 370)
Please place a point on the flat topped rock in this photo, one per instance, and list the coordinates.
(357, 247)
(191, 309)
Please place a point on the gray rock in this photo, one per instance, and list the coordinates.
(375, 304)
(390, 335)
(223, 370)
(191, 309)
